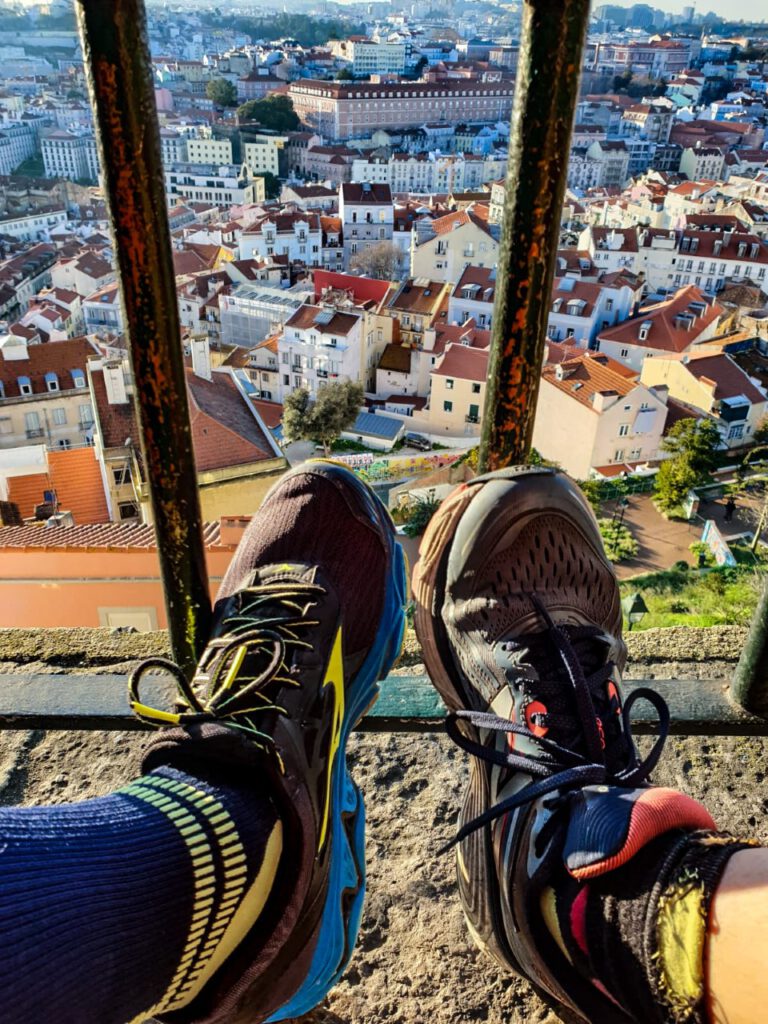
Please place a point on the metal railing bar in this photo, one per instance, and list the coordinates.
(546, 92)
(118, 66)
(407, 704)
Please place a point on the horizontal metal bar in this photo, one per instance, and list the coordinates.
(406, 704)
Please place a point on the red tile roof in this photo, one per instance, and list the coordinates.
(59, 357)
(224, 432)
(729, 378)
(93, 537)
(590, 374)
(665, 333)
(305, 318)
(463, 363)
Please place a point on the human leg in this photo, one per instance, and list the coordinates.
(308, 618)
(572, 869)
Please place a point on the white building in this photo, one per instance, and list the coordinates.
(71, 155)
(368, 57)
(367, 216)
(18, 142)
(226, 185)
(262, 155)
(252, 312)
(319, 344)
(295, 234)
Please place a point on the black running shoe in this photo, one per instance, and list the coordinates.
(308, 618)
(519, 618)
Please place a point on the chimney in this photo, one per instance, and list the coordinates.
(114, 382)
(201, 358)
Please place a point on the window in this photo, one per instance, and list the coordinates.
(286, 380)
(79, 378)
(25, 386)
(636, 453)
(623, 430)
(447, 406)
(86, 416)
(449, 383)
(59, 417)
(65, 443)
(618, 455)
(475, 389)
(624, 353)
(6, 425)
(736, 431)
(32, 424)
(121, 475)
(127, 510)
(52, 382)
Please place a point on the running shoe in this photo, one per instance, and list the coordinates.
(308, 619)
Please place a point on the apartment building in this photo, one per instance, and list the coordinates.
(457, 391)
(593, 412)
(706, 259)
(364, 56)
(713, 385)
(611, 249)
(580, 309)
(319, 344)
(35, 225)
(415, 305)
(44, 397)
(701, 163)
(225, 185)
(69, 154)
(430, 172)
(24, 275)
(612, 158)
(367, 216)
(262, 153)
(674, 326)
(102, 311)
(459, 240)
(661, 58)
(473, 297)
(207, 151)
(349, 110)
(295, 234)
(18, 142)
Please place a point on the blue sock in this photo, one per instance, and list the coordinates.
(115, 909)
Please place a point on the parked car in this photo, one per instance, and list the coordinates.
(418, 441)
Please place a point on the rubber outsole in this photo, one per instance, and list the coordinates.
(345, 897)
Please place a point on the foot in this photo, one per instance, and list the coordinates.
(519, 618)
(308, 618)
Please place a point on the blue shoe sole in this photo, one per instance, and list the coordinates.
(346, 877)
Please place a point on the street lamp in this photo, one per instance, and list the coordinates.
(635, 609)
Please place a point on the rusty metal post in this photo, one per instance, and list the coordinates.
(542, 118)
(117, 60)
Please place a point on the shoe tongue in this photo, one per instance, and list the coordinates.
(544, 657)
(283, 572)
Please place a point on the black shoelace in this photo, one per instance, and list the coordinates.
(228, 689)
(559, 768)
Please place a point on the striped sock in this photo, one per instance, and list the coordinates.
(120, 908)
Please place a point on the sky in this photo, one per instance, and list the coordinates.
(747, 10)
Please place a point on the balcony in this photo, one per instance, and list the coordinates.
(35, 432)
(471, 419)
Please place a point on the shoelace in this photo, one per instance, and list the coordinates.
(265, 626)
(558, 767)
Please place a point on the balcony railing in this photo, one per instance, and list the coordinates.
(118, 65)
(34, 432)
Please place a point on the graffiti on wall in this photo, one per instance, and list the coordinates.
(375, 468)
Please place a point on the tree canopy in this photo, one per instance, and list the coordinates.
(693, 446)
(274, 112)
(271, 184)
(380, 260)
(334, 410)
(222, 92)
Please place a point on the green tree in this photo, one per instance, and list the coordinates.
(695, 441)
(274, 112)
(334, 410)
(674, 480)
(222, 92)
(760, 433)
(345, 75)
(271, 184)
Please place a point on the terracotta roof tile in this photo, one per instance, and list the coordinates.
(590, 374)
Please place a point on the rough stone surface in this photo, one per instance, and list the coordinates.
(414, 962)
